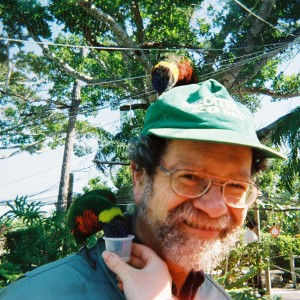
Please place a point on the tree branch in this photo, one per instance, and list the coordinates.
(283, 209)
(128, 107)
(14, 95)
(99, 162)
(231, 78)
(269, 92)
(121, 35)
(138, 21)
(21, 149)
(59, 105)
(9, 67)
(71, 71)
(122, 38)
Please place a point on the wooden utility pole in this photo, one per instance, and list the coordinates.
(257, 220)
(69, 146)
(293, 268)
(268, 277)
(70, 191)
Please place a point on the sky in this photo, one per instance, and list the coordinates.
(38, 175)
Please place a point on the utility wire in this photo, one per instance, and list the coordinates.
(116, 48)
(86, 109)
(237, 64)
(101, 82)
(261, 19)
(224, 68)
(144, 76)
(41, 172)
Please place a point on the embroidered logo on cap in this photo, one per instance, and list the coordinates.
(215, 105)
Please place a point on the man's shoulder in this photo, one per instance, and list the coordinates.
(53, 271)
(44, 278)
(72, 277)
(59, 265)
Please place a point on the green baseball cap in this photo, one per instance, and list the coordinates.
(204, 112)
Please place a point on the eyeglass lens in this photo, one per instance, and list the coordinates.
(235, 193)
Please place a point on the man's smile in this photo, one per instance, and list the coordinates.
(201, 231)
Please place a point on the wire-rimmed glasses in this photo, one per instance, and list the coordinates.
(236, 193)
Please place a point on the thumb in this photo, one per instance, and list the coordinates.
(115, 264)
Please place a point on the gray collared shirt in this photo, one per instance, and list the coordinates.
(73, 278)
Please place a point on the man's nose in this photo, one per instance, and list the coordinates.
(212, 202)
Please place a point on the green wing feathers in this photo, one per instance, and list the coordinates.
(89, 212)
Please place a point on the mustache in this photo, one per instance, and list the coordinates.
(188, 214)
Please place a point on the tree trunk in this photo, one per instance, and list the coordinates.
(69, 145)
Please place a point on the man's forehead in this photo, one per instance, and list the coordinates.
(208, 157)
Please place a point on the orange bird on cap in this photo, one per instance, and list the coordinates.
(173, 70)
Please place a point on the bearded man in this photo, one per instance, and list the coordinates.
(192, 168)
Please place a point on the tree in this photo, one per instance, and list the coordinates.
(239, 44)
(285, 132)
(31, 238)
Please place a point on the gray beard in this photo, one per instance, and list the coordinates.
(191, 253)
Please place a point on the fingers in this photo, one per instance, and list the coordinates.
(137, 259)
(143, 252)
(120, 284)
(142, 255)
(146, 266)
(116, 264)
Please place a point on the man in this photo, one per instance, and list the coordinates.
(250, 235)
(192, 170)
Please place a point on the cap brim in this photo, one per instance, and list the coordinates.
(215, 136)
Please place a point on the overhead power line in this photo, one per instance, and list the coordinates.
(231, 66)
(116, 48)
(228, 62)
(35, 174)
(258, 17)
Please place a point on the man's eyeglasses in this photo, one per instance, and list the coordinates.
(236, 193)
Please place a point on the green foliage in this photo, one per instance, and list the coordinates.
(242, 264)
(286, 84)
(31, 239)
(286, 132)
(246, 261)
(279, 197)
(28, 213)
(23, 246)
(95, 184)
(249, 294)
(9, 272)
(283, 245)
(123, 183)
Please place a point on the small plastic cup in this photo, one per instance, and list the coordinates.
(120, 246)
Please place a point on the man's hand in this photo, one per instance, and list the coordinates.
(147, 277)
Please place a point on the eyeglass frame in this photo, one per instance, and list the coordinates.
(210, 184)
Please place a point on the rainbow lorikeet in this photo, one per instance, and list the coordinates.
(173, 70)
(95, 211)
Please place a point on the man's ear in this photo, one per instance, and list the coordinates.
(138, 180)
(137, 173)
